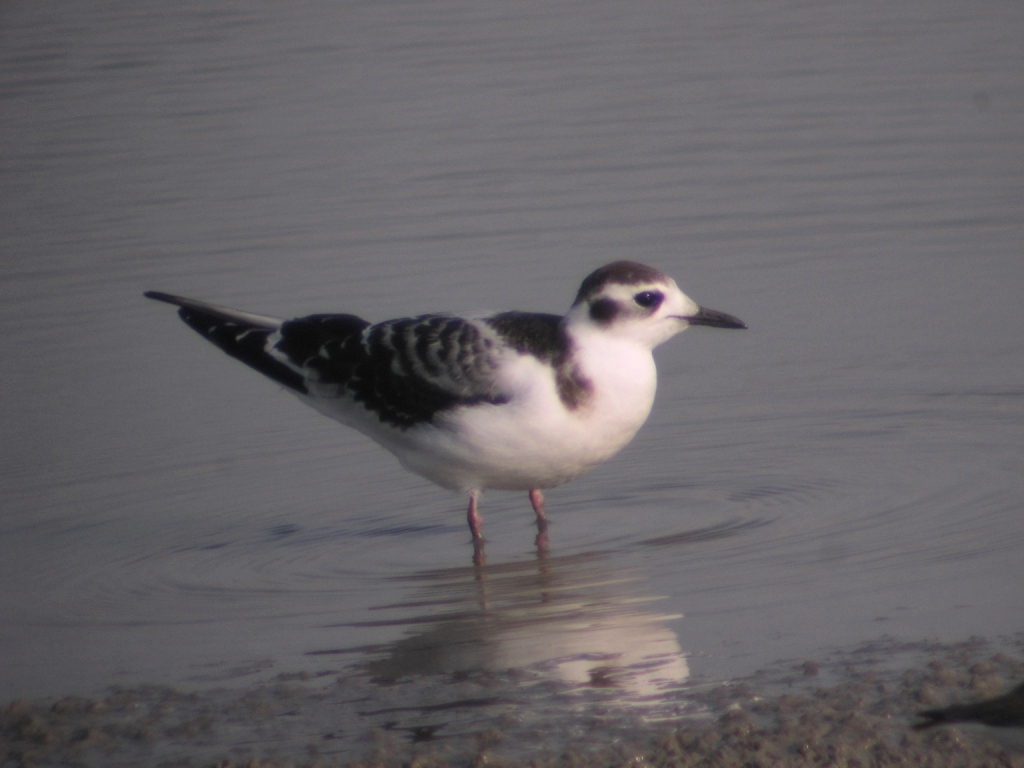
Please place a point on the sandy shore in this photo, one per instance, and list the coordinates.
(852, 708)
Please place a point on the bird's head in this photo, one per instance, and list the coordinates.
(638, 303)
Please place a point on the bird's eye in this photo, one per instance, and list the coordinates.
(649, 299)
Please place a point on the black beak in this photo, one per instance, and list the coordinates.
(714, 319)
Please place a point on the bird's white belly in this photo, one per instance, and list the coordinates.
(532, 441)
(494, 449)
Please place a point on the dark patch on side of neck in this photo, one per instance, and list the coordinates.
(543, 337)
(574, 389)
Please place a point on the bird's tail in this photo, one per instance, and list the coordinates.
(212, 311)
(242, 335)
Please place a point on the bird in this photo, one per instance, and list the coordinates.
(1001, 718)
(506, 401)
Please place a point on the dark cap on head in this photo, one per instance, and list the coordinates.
(621, 272)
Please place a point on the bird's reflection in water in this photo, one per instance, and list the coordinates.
(546, 638)
(573, 620)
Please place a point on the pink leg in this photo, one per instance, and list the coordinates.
(473, 516)
(537, 500)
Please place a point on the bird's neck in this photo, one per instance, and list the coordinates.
(621, 374)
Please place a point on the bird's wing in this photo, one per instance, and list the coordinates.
(404, 370)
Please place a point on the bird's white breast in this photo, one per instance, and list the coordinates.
(535, 440)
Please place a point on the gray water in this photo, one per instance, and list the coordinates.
(847, 178)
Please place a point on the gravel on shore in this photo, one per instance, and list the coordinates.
(853, 708)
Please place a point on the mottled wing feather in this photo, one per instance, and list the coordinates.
(405, 370)
(304, 344)
(532, 333)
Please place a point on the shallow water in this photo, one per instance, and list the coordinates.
(848, 180)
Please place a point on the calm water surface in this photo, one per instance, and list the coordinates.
(848, 180)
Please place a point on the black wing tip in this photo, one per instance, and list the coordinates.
(168, 298)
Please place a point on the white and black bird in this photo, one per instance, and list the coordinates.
(510, 401)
